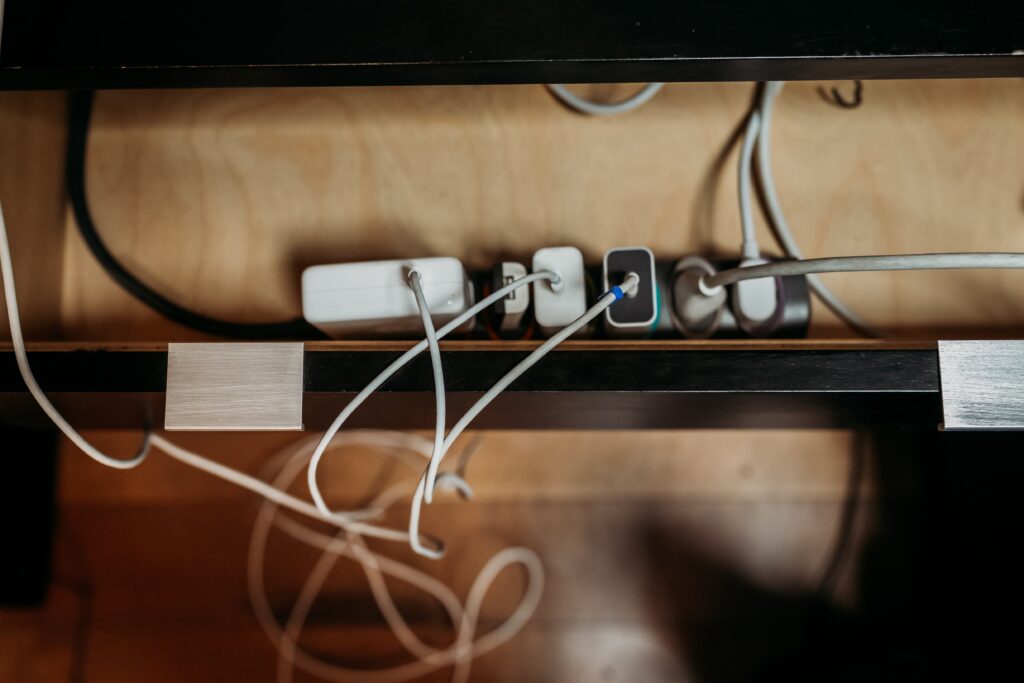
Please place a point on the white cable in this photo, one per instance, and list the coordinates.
(438, 371)
(585, 106)
(609, 298)
(777, 218)
(279, 497)
(371, 564)
(604, 302)
(749, 248)
(174, 450)
(18, 342)
(863, 264)
(459, 654)
(397, 365)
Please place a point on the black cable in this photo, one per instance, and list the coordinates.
(847, 519)
(78, 138)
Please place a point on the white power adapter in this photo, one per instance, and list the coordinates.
(756, 302)
(558, 303)
(373, 298)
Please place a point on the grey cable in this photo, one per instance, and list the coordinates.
(749, 247)
(398, 364)
(21, 357)
(777, 219)
(863, 264)
(585, 106)
(439, 396)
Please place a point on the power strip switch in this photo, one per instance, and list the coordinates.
(636, 314)
(556, 304)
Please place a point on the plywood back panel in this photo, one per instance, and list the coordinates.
(32, 134)
(220, 198)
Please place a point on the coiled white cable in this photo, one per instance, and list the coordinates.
(466, 645)
(585, 106)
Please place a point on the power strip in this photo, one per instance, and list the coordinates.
(372, 300)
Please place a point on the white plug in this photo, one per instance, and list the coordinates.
(696, 310)
(556, 304)
(755, 302)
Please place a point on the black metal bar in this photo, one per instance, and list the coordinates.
(601, 388)
(190, 43)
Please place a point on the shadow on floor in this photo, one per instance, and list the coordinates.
(939, 582)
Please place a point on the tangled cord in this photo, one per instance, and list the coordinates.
(464, 616)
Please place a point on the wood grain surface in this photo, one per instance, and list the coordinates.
(32, 135)
(220, 198)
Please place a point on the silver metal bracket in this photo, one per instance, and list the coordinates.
(982, 385)
(234, 387)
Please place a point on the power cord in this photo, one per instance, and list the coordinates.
(464, 617)
(591, 108)
(749, 247)
(78, 139)
(18, 342)
(151, 440)
(394, 367)
(847, 521)
(864, 264)
(777, 218)
(353, 528)
(604, 302)
(607, 299)
(438, 372)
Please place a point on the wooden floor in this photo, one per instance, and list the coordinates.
(651, 541)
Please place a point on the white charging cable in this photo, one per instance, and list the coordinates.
(466, 646)
(866, 264)
(607, 299)
(397, 365)
(749, 246)
(18, 342)
(756, 303)
(591, 108)
(604, 302)
(459, 654)
(174, 450)
(777, 218)
(438, 371)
